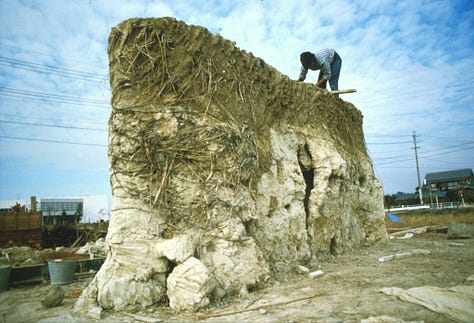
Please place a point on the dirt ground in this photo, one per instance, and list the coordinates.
(348, 291)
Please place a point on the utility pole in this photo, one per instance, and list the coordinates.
(417, 167)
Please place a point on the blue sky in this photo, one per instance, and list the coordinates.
(411, 61)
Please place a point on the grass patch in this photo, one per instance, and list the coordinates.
(441, 218)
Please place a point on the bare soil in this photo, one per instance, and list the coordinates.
(348, 291)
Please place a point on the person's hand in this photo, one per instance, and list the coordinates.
(321, 83)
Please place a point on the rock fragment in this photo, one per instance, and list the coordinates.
(54, 297)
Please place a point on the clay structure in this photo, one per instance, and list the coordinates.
(224, 172)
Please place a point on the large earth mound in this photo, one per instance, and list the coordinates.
(224, 172)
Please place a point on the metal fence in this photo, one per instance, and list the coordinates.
(436, 206)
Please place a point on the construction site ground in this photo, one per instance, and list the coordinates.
(349, 290)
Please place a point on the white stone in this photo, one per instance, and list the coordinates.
(421, 251)
(121, 291)
(302, 269)
(95, 313)
(403, 255)
(316, 274)
(177, 249)
(386, 258)
(235, 264)
(189, 285)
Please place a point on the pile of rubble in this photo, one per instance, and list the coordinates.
(26, 256)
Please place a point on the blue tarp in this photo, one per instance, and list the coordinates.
(393, 217)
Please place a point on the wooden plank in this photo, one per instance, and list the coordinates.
(77, 241)
(414, 230)
(343, 91)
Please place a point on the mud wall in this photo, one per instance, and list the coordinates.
(20, 226)
(224, 172)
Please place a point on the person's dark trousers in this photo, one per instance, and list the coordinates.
(335, 71)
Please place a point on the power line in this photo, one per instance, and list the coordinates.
(52, 126)
(445, 161)
(386, 152)
(394, 160)
(50, 97)
(448, 152)
(52, 100)
(379, 135)
(392, 157)
(29, 117)
(424, 154)
(451, 146)
(15, 48)
(52, 141)
(49, 69)
(388, 143)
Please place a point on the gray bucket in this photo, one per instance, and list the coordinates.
(61, 272)
(4, 277)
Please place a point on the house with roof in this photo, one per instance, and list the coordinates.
(441, 187)
(456, 183)
(450, 180)
(468, 193)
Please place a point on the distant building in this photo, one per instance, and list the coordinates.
(19, 225)
(94, 208)
(449, 180)
(442, 187)
(60, 206)
(456, 184)
(63, 209)
(468, 193)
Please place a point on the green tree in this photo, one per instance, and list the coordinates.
(63, 217)
(389, 200)
(79, 212)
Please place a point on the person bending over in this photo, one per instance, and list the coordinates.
(327, 61)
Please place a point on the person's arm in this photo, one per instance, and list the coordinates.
(326, 69)
(303, 73)
(323, 65)
(320, 82)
